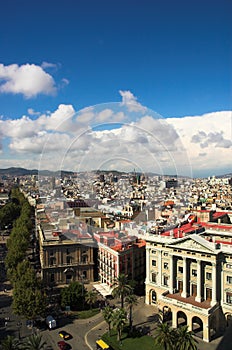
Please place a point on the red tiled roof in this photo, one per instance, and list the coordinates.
(218, 214)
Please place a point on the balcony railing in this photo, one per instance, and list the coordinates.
(72, 263)
(187, 306)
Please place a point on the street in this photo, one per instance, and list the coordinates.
(84, 332)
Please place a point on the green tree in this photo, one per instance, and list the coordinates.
(119, 321)
(91, 298)
(131, 300)
(164, 336)
(10, 343)
(34, 342)
(8, 214)
(24, 276)
(185, 339)
(28, 302)
(108, 316)
(73, 296)
(122, 288)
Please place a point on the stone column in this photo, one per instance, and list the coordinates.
(174, 319)
(184, 292)
(214, 285)
(206, 336)
(160, 268)
(222, 285)
(148, 270)
(198, 297)
(171, 275)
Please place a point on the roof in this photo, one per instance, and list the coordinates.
(102, 344)
(198, 243)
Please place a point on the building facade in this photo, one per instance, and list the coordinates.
(190, 279)
(121, 256)
(65, 257)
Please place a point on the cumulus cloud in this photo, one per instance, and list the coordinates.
(212, 138)
(28, 80)
(60, 120)
(130, 101)
(31, 111)
(88, 139)
(210, 132)
(19, 128)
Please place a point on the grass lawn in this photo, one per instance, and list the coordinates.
(84, 314)
(143, 342)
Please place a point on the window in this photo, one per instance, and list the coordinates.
(194, 273)
(153, 251)
(52, 277)
(67, 251)
(51, 253)
(229, 279)
(165, 254)
(180, 269)
(153, 262)
(229, 298)
(68, 259)
(52, 260)
(165, 281)
(228, 266)
(153, 277)
(165, 265)
(209, 276)
(153, 296)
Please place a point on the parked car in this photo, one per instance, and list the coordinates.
(65, 335)
(63, 345)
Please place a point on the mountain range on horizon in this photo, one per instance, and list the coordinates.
(17, 171)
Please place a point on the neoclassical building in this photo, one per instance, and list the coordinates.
(190, 279)
(65, 256)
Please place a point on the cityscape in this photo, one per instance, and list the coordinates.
(115, 175)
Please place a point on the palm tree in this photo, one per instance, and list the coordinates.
(164, 335)
(122, 288)
(91, 298)
(34, 342)
(185, 339)
(119, 321)
(10, 343)
(132, 301)
(108, 316)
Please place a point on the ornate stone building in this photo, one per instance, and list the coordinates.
(66, 256)
(190, 279)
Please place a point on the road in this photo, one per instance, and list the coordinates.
(86, 332)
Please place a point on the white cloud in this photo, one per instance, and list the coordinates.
(210, 133)
(28, 80)
(45, 65)
(31, 111)
(60, 120)
(19, 128)
(130, 101)
(66, 139)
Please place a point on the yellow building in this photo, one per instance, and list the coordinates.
(190, 280)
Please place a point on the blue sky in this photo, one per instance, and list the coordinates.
(174, 57)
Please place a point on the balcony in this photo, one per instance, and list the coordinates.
(72, 263)
(188, 303)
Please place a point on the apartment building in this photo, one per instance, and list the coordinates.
(120, 255)
(190, 278)
(65, 256)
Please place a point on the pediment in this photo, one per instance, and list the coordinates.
(194, 243)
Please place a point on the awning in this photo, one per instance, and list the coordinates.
(103, 289)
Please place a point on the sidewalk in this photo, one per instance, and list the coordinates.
(145, 318)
